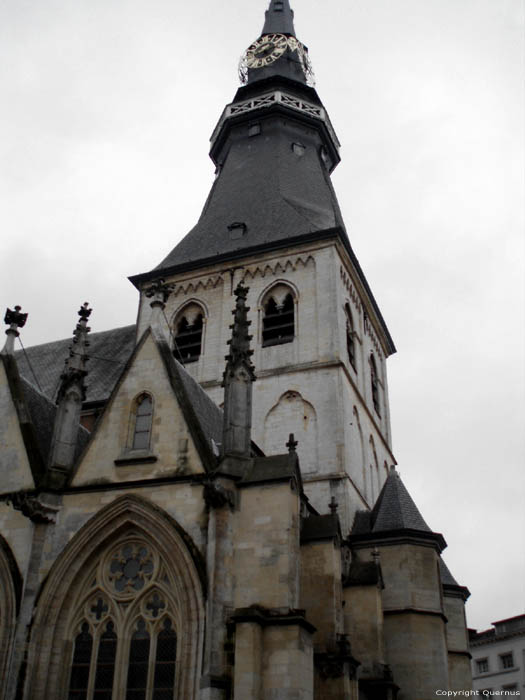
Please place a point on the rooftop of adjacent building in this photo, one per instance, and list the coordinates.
(501, 629)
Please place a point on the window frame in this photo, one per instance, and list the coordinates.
(502, 660)
(137, 403)
(269, 297)
(201, 315)
(485, 662)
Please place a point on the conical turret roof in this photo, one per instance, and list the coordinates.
(394, 515)
(395, 508)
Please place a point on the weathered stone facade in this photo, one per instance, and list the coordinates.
(153, 546)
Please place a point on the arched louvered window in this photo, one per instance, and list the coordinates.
(125, 643)
(143, 421)
(374, 385)
(350, 337)
(278, 320)
(188, 339)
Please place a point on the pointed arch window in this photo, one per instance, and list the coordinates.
(187, 341)
(374, 382)
(350, 338)
(278, 324)
(124, 639)
(143, 422)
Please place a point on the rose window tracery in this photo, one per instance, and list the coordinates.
(131, 568)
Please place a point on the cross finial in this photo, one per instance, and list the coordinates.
(333, 505)
(292, 443)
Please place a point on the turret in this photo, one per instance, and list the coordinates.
(71, 394)
(237, 382)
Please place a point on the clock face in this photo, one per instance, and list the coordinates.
(266, 50)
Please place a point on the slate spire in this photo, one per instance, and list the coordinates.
(278, 18)
(237, 382)
(71, 394)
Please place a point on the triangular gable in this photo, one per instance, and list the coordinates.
(21, 460)
(185, 422)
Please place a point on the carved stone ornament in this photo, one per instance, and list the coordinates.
(216, 496)
(15, 318)
(33, 508)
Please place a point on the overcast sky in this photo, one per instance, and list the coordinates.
(107, 108)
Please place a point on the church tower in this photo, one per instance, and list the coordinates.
(153, 546)
(272, 222)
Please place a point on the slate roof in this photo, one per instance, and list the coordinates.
(395, 509)
(278, 18)
(320, 527)
(393, 514)
(208, 414)
(446, 577)
(273, 468)
(108, 351)
(363, 573)
(42, 413)
(264, 185)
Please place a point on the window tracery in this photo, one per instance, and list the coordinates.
(124, 641)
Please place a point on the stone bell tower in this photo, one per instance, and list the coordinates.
(272, 222)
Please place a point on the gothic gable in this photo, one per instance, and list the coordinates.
(157, 424)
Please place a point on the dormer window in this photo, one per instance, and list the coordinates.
(187, 342)
(374, 381)
(278, 319)
(143, 422)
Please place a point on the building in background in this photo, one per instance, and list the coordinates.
(498, 656)
(174, 525)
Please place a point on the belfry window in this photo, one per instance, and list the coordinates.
(188, 338)
(374, 381)
(143, 421)
(278, 321)
(124, 641)
(350, 337)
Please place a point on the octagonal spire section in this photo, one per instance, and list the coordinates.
(278, 18)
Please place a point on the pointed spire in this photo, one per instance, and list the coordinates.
(240, 351)
(14, 320)
(237, 382)
(278, 18)
(75, 365)
(71, 394)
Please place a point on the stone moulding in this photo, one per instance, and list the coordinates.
(272, 617)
